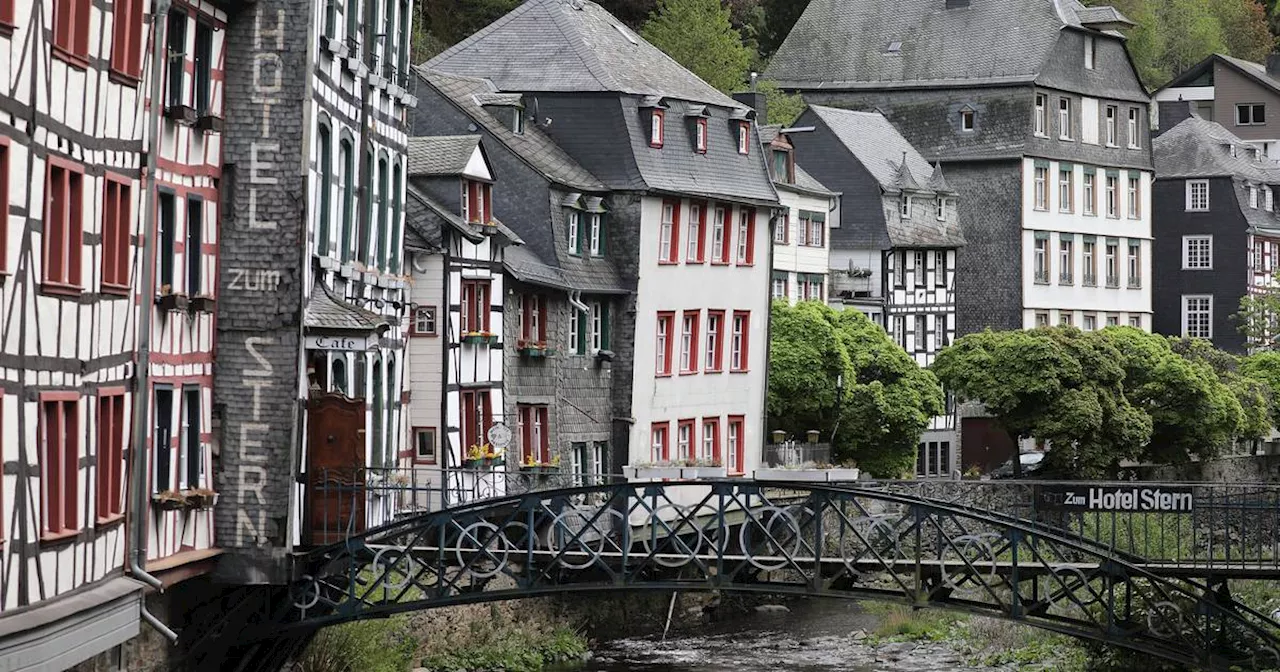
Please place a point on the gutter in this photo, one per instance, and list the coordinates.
(142, 394)
(575, 300)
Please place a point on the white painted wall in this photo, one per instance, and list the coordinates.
(791, 257)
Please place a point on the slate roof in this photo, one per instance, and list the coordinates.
(327, 312)
(533, 146)
(878, 146)
(441, 154)
(989, 42)
(808, 184)
(572, 46)
(427, 220)
(1198, 148)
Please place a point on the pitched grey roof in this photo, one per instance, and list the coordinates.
(808, 184)
(533, 146)
(441, 154)
(1198, 148)
(504, 99)
(878, 146)
(1102, 17)
(572, 46)
(427, 220)
(525, 265)
(843, 43)
(328, 312)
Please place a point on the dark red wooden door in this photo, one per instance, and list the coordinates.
(335, 468)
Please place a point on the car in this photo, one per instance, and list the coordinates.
(1031, 463)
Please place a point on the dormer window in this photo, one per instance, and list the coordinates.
(744, 137)
(477, 202)
(655, 128)
(904, 207)
(517, 121)
(700, 136)
(968, 120)
(782, 166)
(940, 204)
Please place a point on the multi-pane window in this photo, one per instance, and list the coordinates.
(900, 268)
(669, 233)
(968, 120)
(165, 249)
(740, 341)
(1113, 208)
(684, 440)
(1113, 270)
(162, 440)
(710, 439)
(920, 271)
(475, 306)
(746, 236)
(899, 332)
(689, 342)
(126, 37)
(175, 92)
(1042, 115)
(1041, 188)
(1064, 118)
(424, 321)
(733, 447)
(940, 208)
(1112, 128)
(346, 164)
(1090, 322)
(720, 237)
(116, 217)
(1088, 258)
(1197, 195)
(695, 238)
(477, 418)
(700, 141)
(71, 29)
(573, 222)
(202, 60)
(744, 137)
(477, 201)
(63, 225)
(1197, 252)
(782, 165)
(1066, 261)
(1197, 316)
(191, 470)
(599, 326)
(655, 128)
(4, 209)
(663, 346)
(810, 287)
(424, 445)
(659, 449)
(1253, 197)
(715, 341)
(1090, 193)
(920, 335)
(780, 230)
(577, 331)
(59, 463)
(904, 206)
(533, 318)
(1135, 193)
(1042, 260)
(780, 285)
(535, 432)
(1251, 114)
(324, 212)
(595, 237)
(110, 462)
(1135, 264)
(1065, 191)
(1134, 141)
(940, 268)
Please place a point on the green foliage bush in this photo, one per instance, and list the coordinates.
(512, 649)
(383, 645)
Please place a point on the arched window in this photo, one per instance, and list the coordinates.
(397, 218)
(366, 221)
(338, 380)
(378, 457)
(393, 436)
(381, 205)
(348, 168)
(324, 207)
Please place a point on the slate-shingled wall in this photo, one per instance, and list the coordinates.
(255, 380)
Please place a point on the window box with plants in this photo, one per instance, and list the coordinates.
(200, 498)
(483, 457)
(169, 500)
(480, 338)
(201, 303)
(809, 473)
(535, 349)
(648, 471)
(208, 122)
(168, 300)
(531, 465)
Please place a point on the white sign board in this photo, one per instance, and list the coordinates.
(357, 343)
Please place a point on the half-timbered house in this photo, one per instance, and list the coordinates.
(893, 248)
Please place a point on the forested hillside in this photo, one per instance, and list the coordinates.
(723, 40)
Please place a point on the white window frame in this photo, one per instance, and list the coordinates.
(1112, 193)
(1186, 313)
(940, 205)
(1065, 190)
(1134, 193)
(1090, 52)
(574, 223)
(1040, 268)
(664, 327)
(708, 439)
(1252, 121)
(1193, 204)
(1133, 129)
(1041, 189)
(1064, 119)
(1112, 125)
(1042, 115)
(688, 323)
(1090, 182)
(684, 441)
(714, 325)
(904, 206)
(744, 222)
(595, 236)
(1253, 197)
(694, 232)
(968, 121)
(597, 326)
(718, 230)
(666, 231)
(575, 338)
(735, 343)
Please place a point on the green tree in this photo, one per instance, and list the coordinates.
(1264, 367)
(784, 108)
(452, 21)
(839, 373)
(699, 36)
(1244, 28)
(1191, 32)
(780, 17)
(1257, 318)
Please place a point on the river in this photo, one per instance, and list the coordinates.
(810, 636)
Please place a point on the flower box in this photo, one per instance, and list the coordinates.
(168, 501)
(209, 123)
(200, 499)
(539, 469)
(201, 304)
(807, 475)
(534, 350)
(651, 473)
(171, 302)
(704, 472)
(480, 339)
(183, 114)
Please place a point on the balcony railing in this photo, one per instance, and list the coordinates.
(1135, 283)
(1090, 280)
(1113, 281)
(795, 454)
(1065, 279)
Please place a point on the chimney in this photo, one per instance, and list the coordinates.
(1273, 65)
(756, 101)
(1174, 112)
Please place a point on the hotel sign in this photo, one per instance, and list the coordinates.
(1135, 498)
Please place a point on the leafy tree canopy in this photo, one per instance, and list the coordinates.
(885, 401)
(1264, 367)
(699, 36)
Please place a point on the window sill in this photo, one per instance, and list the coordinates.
(694, 262)
(1066, 139)
(747, 264)
(655, 145)
(7, 28)
(1041, 135)
(63, 537)
(62, 289)
(123, 78)
(689, 373)
(713, 371)
(1041, 282)
(418, 335)
(1197, 210)
(740, 371)
(1134, 287)
(74, 60)
(668, 262)
(113, 288)
(112, 520)
(661, 375)
(1038, 209)
(720, 263)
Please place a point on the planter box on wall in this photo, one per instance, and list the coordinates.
(478, 339)
(651, 473)
(807, 475)
(704, 472)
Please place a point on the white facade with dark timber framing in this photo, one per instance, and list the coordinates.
(801, 255)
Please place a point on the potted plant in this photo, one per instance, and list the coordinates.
(703, 469)
(480, 337)
(492, 457)
(168, 300)
(533, 349)
(532, 465)
(474, 458)
(200, 498)
(169, 500)
(808, 472)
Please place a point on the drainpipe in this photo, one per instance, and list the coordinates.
(576, 301)
(142, 393)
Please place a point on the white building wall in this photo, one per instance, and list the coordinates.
(699, 287)
(1055, 298)
(791, 257)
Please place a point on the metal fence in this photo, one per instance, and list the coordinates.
(794, 454)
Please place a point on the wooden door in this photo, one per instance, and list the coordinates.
(335, 468)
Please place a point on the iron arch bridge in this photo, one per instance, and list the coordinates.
(778, 538)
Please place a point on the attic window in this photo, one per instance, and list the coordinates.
(655, 128)
(968, 120)
(700, 136)
(744, 137)
(894, 47)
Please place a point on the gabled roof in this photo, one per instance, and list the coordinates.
(1254, 71)
(327, 311)
(426, 222)
(572, 46)
(844, 43)
(441, 155)
(878, 146)
(1198, 148)
(808, 184)
(533, 146)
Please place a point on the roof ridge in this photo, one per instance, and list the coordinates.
(479, 34)
(579, 45)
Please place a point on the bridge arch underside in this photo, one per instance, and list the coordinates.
(781, 538)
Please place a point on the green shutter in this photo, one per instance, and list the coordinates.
(1040, 163)
(1042, 235)
(581, 345)
(1137, 175)
(1090, 239)
(1063, 165)
(1113, 241)
(1113, 173)
(1090, 170)
(1067, 236)
(604, 325)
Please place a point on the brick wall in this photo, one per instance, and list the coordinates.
(260, 287)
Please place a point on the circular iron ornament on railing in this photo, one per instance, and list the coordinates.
(772, 540)
(575, 538)
(499, 563)
(682, 523)
(1073, 596)
(306, 593)
(970, 550)
(1161, 610)
(386, 568)
(871, 529)
(518, 542)
(1266, 658)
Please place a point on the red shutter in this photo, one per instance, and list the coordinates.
(75, 226)
(545, 416)
(542, 318)
(106, 434)
(6, 18)
(4, 203)
(751, 236)
(675, 232)
(62, 23)
(55, 220)
(482, 304)
(80, 45)
(487, 215)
